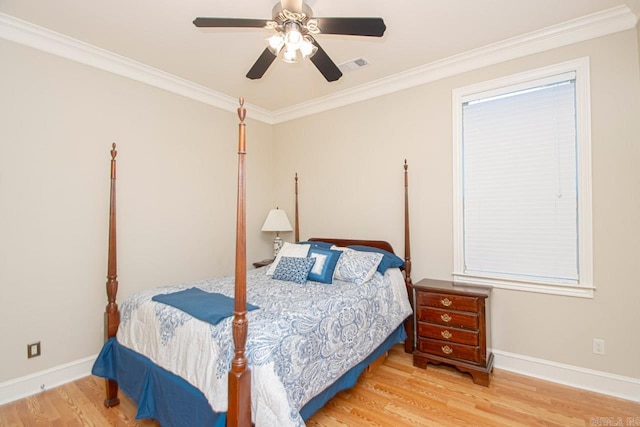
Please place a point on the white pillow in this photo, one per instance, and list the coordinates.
(356, 266)
(290, 250)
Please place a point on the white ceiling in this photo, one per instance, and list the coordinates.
(160, 34)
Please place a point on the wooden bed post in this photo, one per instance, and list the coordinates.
(111, 314)
(296, 219)
(408, 324)
(239, 408)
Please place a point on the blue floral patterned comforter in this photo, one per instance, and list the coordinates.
(300, 341)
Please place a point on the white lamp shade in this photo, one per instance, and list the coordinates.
(277, 221)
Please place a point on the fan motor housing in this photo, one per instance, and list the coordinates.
(277, 8)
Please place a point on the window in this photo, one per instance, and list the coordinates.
(522, 202)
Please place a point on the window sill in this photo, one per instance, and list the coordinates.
(579, 291)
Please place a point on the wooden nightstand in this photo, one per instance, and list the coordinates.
(451, 328)
(263, 262)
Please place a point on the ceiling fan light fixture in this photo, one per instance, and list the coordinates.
(290, 43)
(289, 56)
(295, 27)
(307, 48)
(276, 42)
(292, 35)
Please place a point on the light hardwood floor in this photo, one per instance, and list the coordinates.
(394, 394)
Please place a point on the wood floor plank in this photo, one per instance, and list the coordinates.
(395, 394)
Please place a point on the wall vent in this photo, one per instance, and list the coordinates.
(353, 64)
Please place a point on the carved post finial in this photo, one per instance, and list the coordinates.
(242, 112)
(114, 153)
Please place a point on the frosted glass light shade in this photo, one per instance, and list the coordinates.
(307, 48)
(276, 42)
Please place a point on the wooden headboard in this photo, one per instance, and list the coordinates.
(380, 244)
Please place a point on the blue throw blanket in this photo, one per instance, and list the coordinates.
(206, 306)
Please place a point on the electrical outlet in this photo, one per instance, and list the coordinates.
(598, 346)
(33, 350)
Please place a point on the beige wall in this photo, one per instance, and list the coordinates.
(350, 165)
(177, 163)
(176, 209)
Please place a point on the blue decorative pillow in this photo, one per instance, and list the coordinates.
(293, 269)
(325, 264)
(389, 260)
(357, 267)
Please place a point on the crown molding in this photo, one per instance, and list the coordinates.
(585, 28)
(40, 38)
(588, 27)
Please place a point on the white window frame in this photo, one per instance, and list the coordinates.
(584, 288)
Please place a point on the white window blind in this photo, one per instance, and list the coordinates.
(519, 182)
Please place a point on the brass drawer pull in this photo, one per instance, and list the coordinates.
(447, 350)
(445, 317)
(446, 302)
(446, 334)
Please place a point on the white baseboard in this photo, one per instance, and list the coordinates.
(39, 381)
(588, 379)
(601, 382)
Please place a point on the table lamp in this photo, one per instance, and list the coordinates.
(277, 221)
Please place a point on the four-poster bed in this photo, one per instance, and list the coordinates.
(304, 342)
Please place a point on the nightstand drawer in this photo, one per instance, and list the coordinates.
(451, 318)
(450, 326)
(447, 333)
(448, 302)
(450, 350)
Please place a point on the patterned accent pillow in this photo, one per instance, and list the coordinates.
(355, 266)
(293, 269)
(389, 260)
(291, 250)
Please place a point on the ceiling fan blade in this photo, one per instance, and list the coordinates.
(230, 22)
(325, 65)
(292, 5)
(261, 65)
(373, 27)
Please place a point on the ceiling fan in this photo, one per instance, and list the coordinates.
(295, 28)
